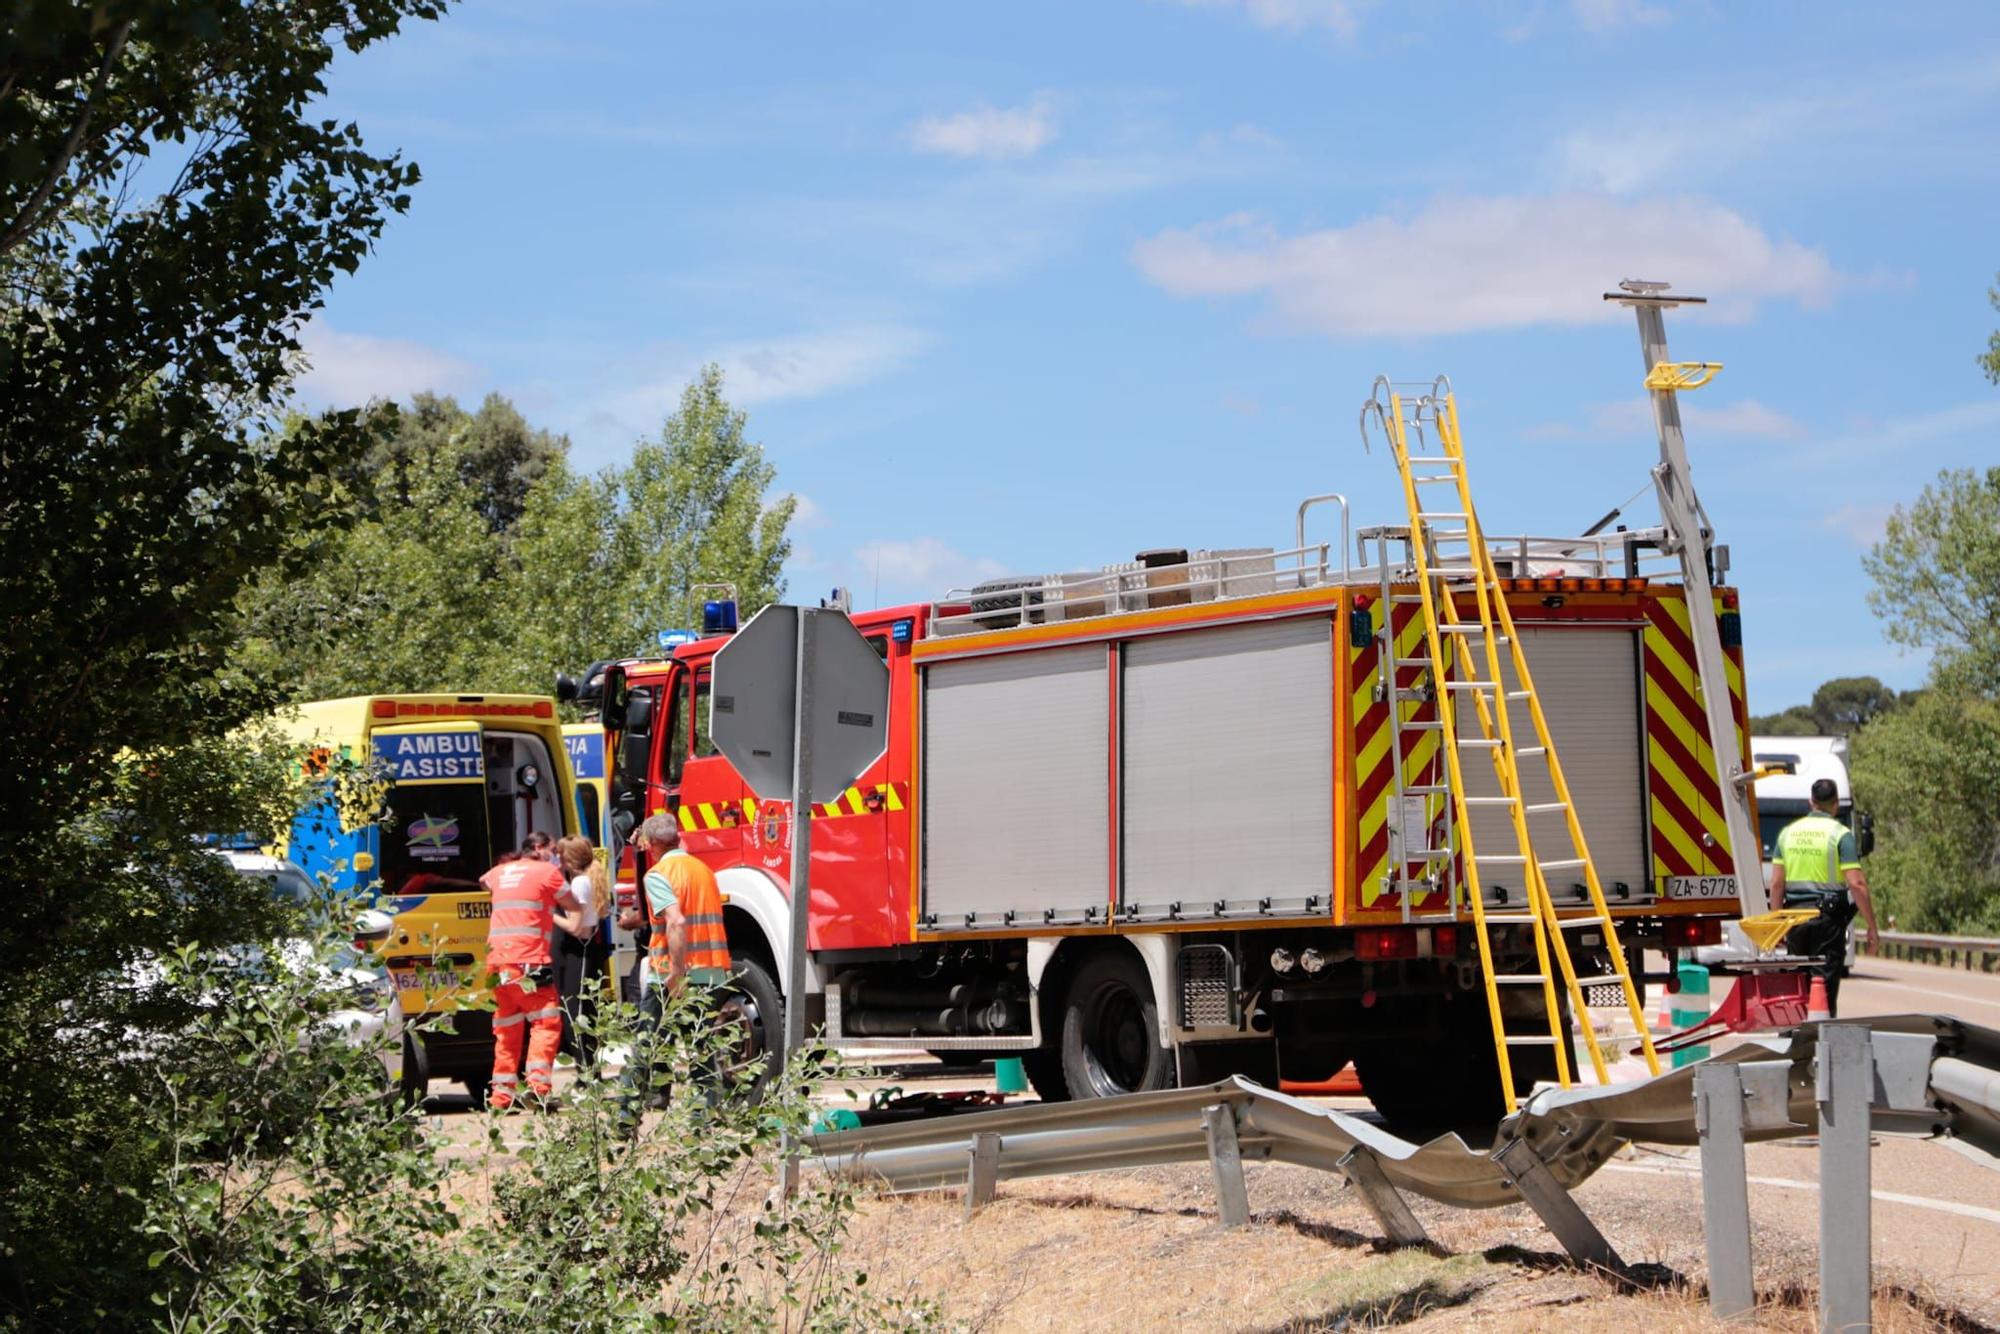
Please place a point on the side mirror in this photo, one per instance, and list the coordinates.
(1864, 833)
(638, 712)
(611, 700)
(566, 688)
(372, 926)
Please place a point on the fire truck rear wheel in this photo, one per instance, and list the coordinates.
(1111, 1030)
(752, 1001)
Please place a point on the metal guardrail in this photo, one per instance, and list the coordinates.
(1912, 1074)
(1972, 952)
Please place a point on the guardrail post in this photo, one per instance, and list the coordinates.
(1846, 1085)
(1558, 1212)
(982, 1176)
(1225, 1156)
(1364, 1172)
(1725, 1194)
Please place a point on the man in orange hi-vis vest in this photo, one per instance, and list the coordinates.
(524, 894)
(683, 905)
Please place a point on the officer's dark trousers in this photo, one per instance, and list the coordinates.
(1825, 937)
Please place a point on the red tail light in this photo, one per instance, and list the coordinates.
(1688, 932)
(1391, 942)
(1444, 941)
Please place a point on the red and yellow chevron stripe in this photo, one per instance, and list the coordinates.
(1374, 779)
(867, 800)
(1689, 834)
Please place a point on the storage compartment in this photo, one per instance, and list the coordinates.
(1015, 791)
(1227, 771)
(1166, 577)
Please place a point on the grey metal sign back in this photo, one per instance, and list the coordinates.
(756, 690)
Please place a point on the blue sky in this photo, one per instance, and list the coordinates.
(1030, 287)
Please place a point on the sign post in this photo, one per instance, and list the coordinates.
(801, 707)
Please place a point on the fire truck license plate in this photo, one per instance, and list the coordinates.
(1701, 886)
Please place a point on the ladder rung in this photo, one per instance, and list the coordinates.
(1510, 919)
(1519, 694)
(1433, 479)
(1599, 981)
(1566, 864)
(1595, 919)
(1425, 516)
(1468, 685)
(1432, 459)
(1489, 801)
(1434, 725)
(1504, 858)
(1541, 806)
(1524, 1041)
(1518, 979)
(1425, 788)
(1531, 750)
(1483, 743)
(1465, 628)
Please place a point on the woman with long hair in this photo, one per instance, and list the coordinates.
(582, 954)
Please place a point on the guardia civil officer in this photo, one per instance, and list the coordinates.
(1816, 867)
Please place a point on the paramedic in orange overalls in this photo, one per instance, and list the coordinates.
(524, 894)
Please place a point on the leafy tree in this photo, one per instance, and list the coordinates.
(1842, 706)
(1795, 721)
(1937, 577)
(496, 456)
(171, 210)
(1989, 360)
(1930, 771)
(428, 594)
(607, 562)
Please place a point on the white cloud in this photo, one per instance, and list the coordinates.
(1861, 524)
(806, 512)
(1899, 436)
(1598, 15)
(346, 369)
(1340, 16)
(1626, 416)
(989, 132)
(922, 567)
(1505, 262)
(774, 369)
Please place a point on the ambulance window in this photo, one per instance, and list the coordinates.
(704, 744)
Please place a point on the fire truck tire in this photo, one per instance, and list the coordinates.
(1111, 1030)
(1044, 1068)
(753, 1001)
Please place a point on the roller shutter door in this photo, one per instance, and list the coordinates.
(1015, 793)
(1227, 769)
(1588, 680)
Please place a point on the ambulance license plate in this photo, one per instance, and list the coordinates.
(1701, 886)
(406, 979)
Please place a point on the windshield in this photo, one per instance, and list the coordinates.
(1773, 814)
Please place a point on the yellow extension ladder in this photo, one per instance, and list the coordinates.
(1462, 658)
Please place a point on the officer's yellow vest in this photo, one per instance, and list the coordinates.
(1809, 849)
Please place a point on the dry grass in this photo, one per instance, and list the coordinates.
(1142, 1250)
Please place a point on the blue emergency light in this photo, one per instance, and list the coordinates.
(719, 617)
(901, 630)
(673, 639)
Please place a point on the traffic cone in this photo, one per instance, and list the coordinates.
(1817, 1009)
(1663, 1014)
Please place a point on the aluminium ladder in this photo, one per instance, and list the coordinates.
(1462, 658)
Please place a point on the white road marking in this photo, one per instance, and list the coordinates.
(1886, 1196)
(1956, 998)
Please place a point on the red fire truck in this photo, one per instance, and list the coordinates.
(1160, 823)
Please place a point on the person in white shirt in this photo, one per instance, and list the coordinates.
(582, 954)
